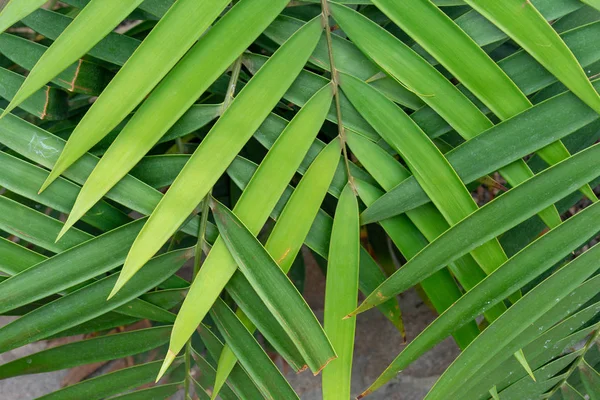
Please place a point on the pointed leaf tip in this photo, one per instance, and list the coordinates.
(166, 364)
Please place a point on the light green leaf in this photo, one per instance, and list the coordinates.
(172, 37)
(341, 293)
(525, 25)
(253, 208)
(81, 77)
(222, 143)
(114, 48)
(15, 10)
(285, 240)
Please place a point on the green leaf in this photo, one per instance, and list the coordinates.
(15, 258)
(114, 48)
(347, 58)
(424, 159)
(431, 224)
(499, 215)
(591, 380)
(15, 10)
(69, 268)
(161, 392)
(341, 293)
(81, 77)
(42, 147)
(48, 103)
(253, 208)
(35, 227)
(221, 144)
(94, 22)
(239, 379)
(440, 288)
(477, 72)
(593, 3)
(546, 379)
(87, 303)
(440, 94)
(520, 316)
(23, 178)
(172, 37)
(103, 348)
(525, 266)
(266, 375)
(275, 289)
(285, 240)
(524, 24)
(114, 383)
(511, 139)
(568, 392)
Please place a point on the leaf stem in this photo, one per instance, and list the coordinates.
(199, 252)
(334, 79)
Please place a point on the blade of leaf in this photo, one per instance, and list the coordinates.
(570, 393)
(514, 274)
(474, 158)
(222, 143)
(514, 321)
(275, 288)
(113, 383)
(81, 77)
(104, 348)
(440, 288)
(500, 214)
(430, 167)
(263, 191)
(591, 380)
(477, 72)
(285, 240)
(16, 10)
(42, 147)
(440, 94)
(341, 293)
(266, 375)
(172, 37)
(87, 303)
(239, 379)
(94, 22)
(525, 25)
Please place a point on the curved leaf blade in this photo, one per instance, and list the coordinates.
(502, 213)
(94, 22)
(286, 238)
(223, 142)
(172, 37)
(275, 289)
